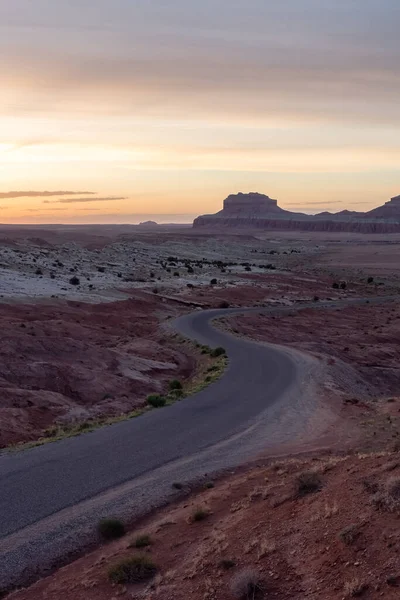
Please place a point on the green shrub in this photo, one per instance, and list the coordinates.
(175, 385)
(111, 529)
(156, 401)
(219, 351)
(199, 514)
(74, 280)
(142, 541)
(132, 570)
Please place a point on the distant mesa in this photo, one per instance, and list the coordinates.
(254, 210)
(148, 224)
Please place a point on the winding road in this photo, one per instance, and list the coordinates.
(52, 496)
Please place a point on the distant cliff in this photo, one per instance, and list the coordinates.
(254, 210)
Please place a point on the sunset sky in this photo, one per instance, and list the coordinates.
(134, 108)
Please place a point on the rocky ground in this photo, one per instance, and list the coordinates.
(317, 527)
(96, 347)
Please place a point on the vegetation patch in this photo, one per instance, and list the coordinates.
(132, 570)
(142, 541)
(111, 529)
(199, 514)
(307, 482)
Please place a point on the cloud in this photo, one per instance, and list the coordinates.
(31, 194)
(73, 200)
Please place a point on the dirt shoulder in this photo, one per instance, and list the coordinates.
(299, 540)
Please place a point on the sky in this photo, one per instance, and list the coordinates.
(136, 109)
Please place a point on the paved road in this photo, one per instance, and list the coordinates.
(52, 496)
(39, 482)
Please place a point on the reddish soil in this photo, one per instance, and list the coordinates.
(67, 362)
(363, 338)
(339, 542)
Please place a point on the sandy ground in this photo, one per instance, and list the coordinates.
(340, 541)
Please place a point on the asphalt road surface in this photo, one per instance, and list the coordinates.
(52, 496)
(39, 482)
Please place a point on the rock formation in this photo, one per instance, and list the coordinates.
(254, 210)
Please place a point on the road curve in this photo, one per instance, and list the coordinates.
(52, 496)
(38, 482)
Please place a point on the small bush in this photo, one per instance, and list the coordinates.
(156, 401)
(355, 588)
(199, 514)
(224, 304)
(219, 351)
(132, 570)
(388, 498)
(175, 385)
(101, 269)
(209, 485)
(39, 272)
(213, 281)
(308, 482)
(142, 541)
(246, 584)
(227, 564)
(335, 285)
(74, 280)
(349, 534)
(177, 485)
(370, 280)
(111, 529)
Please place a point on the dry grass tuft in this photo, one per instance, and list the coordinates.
(307, 482)
(246, 584)
(355, 588)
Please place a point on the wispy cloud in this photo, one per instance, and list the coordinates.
(33, 194)
(74, 200)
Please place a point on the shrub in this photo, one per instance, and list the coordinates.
(308, 482)
(74, 280)
(111, 529)
(175, 385)
(227, 564)
(177, 485)
(213, 281)
(156, 401)
(349, 534)
(245, 584)
(199, 514)
(335, 286)
(355, 588)
(224, 304)
(142, 541)
(219, 351)
(370, 280)
(101, 269)
(132, 570)
(176, 274)
(343, 285)
(39, 272)
(389, 496)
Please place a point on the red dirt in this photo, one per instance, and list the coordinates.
(66, 362)
(258, 521)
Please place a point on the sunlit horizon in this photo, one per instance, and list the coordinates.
(161, 110)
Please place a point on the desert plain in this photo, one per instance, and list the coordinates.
(85, 313)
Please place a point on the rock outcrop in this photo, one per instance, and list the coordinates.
(254, 210)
